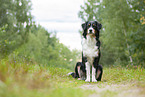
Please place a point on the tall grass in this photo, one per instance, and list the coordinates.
(29, 80)
(124, 75)
(33, 80)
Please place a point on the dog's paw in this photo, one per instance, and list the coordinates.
(87, 80)
(79, 79)
(71, 73)
(94, 80)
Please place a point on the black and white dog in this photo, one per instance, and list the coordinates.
(90, 53)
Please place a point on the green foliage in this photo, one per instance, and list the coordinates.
(43, 49)
(22, 41)
(16, 15)
(123, 29)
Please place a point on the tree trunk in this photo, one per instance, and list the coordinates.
(130, 57)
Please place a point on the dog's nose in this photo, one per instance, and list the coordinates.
(90, 31)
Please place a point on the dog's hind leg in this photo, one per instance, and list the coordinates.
(88, 72)
(79, 72)
(76, 74)
(99, 72)
(77, 69)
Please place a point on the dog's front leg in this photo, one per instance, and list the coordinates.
(88, 72)
(93, 74)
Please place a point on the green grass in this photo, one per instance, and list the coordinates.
(32, 80)
(124, 75)
(27, 80)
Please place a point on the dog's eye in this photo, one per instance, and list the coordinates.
(94, 25)
(89, 24)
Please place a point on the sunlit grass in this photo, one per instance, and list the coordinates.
(34, 80)
(124, 75)
(28, 80)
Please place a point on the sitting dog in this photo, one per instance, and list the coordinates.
(80, 72)
(90, 53)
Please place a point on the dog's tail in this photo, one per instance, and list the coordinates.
(74, 75)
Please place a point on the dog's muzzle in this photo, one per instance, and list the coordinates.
(91, 31)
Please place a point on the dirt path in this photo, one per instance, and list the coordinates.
(113, 90)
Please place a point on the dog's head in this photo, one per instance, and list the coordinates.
(91, 28)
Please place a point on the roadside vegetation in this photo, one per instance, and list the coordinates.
(34, 80)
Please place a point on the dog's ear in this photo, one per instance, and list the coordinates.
(84, 25)
(99, 25)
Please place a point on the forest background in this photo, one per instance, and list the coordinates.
(122, 36)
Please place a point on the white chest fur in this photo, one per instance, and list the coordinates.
(90, 50)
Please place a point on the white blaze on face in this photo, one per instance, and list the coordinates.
(91, 31)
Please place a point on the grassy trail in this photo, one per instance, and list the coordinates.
(119, 82)
(28, 80)
(114, 90)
